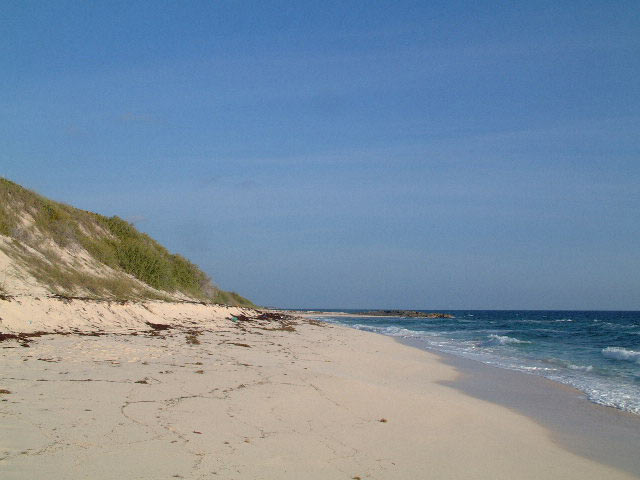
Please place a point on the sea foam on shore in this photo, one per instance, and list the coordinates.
(595, 352)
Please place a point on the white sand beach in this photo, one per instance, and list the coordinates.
(234, 398)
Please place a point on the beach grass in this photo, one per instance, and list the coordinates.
(40, 228)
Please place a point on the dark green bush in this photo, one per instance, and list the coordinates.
(232, 298)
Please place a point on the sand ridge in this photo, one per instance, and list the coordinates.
(47, 313)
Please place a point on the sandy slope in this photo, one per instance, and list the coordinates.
(25, 314)
(254, 400)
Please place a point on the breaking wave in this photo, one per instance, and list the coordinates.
(503, 340)
(619, 353)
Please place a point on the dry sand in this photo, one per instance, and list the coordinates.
(251, 400)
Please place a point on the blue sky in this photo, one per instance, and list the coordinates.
(345, 154)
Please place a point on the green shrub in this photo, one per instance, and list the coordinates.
(232, 298)
(5, 226)
(109, 240)
(143, 262)
(120, 228)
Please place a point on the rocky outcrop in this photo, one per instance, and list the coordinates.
(406, 313)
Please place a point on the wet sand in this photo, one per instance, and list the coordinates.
(593, 431)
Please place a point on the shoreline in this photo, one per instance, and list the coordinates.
(422, 346)
(577, 424)
(252, 398)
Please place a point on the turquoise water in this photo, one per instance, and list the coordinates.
(595, 352)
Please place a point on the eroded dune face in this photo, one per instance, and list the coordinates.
(31, 314)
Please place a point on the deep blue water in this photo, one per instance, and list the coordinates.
(596, 352)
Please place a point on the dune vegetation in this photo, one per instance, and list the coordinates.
(77, 252)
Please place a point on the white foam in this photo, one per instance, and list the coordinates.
(604, 391)
(619, 353)
(392, 331)
(583, 368)
(532, 369)
(503, 340)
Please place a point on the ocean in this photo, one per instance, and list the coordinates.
(595, 352)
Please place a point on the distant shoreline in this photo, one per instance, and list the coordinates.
(371, 313)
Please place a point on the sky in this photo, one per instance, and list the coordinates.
(345, 154)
